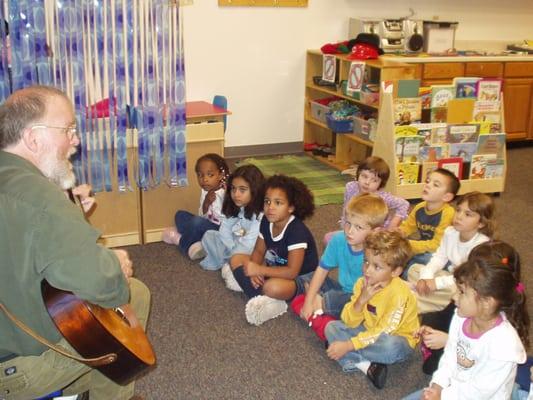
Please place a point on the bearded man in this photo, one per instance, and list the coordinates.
(45, 236)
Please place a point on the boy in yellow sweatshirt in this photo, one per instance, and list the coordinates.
(427, 221)
(378, 323)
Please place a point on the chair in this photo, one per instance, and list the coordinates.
(222, 102)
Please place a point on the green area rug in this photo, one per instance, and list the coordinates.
(326, 183)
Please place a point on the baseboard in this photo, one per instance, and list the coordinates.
(263, 150)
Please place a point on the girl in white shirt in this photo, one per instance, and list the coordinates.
(472, 225)
(487, 334)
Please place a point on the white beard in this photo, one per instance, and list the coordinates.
(58, 170)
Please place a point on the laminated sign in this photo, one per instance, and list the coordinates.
(355, 76)
(329, 68)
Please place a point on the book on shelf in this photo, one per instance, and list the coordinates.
(405, 130)
(465, 87)
(424, 93)
(478, 165)
(407, 110)
(408, 148)
(460, 111)
(408, 88)
(427, 168)
(407, 173)
(482, 108)
(489, 89)
(439, 114)
(493, 143)
(495, 168)
(463, 150)
(453, 164)
(462, 133)
(432, 153)
(441, 94)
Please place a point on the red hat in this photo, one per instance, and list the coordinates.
(363, 51)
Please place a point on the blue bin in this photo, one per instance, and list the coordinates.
(341, 125)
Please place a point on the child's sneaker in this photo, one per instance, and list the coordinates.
(229, 279)
(377, 373)
(171, 236)
(260, 309)
(318, 323)
(196, 251)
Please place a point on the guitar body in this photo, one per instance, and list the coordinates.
(94, 331)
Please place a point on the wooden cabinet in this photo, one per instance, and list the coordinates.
(518, 95)
(349, 148)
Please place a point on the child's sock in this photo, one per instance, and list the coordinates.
(245, 283)
(363, 366)
(319, 322)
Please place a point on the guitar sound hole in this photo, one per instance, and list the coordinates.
(122, 316)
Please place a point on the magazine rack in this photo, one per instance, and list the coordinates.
(384, 147)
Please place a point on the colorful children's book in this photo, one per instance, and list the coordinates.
(493, 143)
(435, 131)
(408, 88)
(427, 168)
(460, 111)
(408, 148)
(439, 114)
(431, 153)
(462, 133)
(478, 165)
(463, 150)
(405, 130)
(441, 94)
(453, 164)
(465, 87)
(489, 89)
(407, 110)
(482, 108)
(495, 168)
(425, 96)
(407, 173)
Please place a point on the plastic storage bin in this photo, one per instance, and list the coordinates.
(319, 108)
(365, 128)
(339, 125)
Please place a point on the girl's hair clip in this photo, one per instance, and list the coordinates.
(505, 261)
(520, 287)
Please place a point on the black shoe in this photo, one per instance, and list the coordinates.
(377, 373)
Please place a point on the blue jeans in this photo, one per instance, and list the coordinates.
(387, 349)
(414, 396)
(331, 291)
(192, 228)
(420, 258)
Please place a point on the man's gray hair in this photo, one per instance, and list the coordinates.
(23, 108)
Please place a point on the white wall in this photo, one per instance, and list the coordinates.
(256, 56)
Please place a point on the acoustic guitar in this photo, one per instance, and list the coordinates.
(112, 336)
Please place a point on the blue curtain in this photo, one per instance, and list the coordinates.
(123, 68)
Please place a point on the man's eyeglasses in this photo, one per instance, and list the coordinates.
(70, 131)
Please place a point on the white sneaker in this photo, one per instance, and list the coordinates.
(229, 279)
(196, 251)
(260, 309)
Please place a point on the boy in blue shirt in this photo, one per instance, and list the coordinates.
(319, 298)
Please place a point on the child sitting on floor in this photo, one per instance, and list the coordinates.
(487, 334)
(284, 249)
(320, 297)
(211, 172)
(472, 224)
(379, 321)
(429, 218)
(371, 177)
(242, 213)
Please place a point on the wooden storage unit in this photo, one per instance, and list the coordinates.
(384, 147)
(349, 147)
(136, 216)
(517, 87)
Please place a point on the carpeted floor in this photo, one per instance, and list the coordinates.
(326, 184)
(207, 350)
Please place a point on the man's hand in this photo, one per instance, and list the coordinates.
(125, 263)
(338, 349)
(84, 192)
